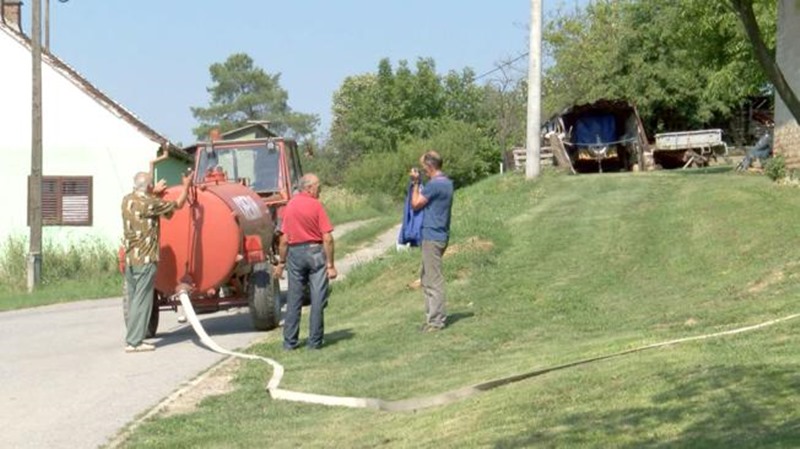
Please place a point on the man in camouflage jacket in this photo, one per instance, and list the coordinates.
(141, 210)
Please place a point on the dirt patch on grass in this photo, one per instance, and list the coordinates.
(215, 382)
(471, 244)
(777, 275)
(762, 284)
(474, 244)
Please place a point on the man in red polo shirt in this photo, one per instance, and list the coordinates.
(306, 247)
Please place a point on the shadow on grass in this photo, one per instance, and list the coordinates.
(239, 323)
(456, 317)
(337, 336)
(704, 170)
(743, 407)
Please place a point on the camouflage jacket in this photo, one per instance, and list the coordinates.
(140, 214)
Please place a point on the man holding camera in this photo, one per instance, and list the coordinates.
(435, 198)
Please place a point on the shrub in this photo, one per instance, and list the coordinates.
(326, 165)
(468, 156)
(343, 205)
(775, 168)
(87, 259)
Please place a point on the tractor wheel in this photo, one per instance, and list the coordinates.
(262, 292)
(152, 325)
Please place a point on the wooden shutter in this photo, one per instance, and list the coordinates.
(66, 200)
(76, 201)
(50, 201)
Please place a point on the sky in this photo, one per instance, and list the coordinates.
(152, 56)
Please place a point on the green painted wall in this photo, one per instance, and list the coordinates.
(170, 170)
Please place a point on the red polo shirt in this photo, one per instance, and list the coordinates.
(305, 220)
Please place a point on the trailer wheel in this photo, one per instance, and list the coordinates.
(152, 325)
(262, 293)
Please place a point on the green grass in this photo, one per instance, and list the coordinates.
(365, 234)
(85, 270)
(67, 290)
(343, 205)
(539, 274)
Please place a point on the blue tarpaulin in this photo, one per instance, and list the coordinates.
(411, 229)
(595, 129)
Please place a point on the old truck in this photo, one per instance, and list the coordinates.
(223, 242)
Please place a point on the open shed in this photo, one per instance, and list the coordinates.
(603, 136)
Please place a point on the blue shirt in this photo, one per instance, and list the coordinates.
(436, 220)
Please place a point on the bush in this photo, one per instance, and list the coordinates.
(775, 168)
(343, 205)
(88, 259)
(468, 156)
(326, 165)
(381, 172)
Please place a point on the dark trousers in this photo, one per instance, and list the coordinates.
(305, 266)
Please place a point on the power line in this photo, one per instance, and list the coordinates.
(501, 66)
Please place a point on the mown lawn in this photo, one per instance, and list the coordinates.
(540, 274)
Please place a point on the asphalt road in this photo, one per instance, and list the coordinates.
(66, 382)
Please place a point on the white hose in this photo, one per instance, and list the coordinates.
(277, 374)
(411, 404)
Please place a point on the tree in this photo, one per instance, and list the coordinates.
(376, 112)
(504, 104)
(745, 12)
(684, 63)
(372, 113)
(242, 92)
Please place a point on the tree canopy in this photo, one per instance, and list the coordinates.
(745, 9)
(381, 119)
(685, 63)
(374, 112)
(242, 92)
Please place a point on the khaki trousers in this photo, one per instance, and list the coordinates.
(433, 285)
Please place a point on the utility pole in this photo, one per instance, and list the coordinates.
(534, 144)
(35, 179)
(47, 25)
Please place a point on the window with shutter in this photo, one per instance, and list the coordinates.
(67, 200)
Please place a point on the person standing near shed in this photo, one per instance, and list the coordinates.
(306, 247)
(141, 211)
(435, 199)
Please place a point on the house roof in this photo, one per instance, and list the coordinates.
(76, 78)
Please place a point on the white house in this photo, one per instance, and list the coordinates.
(92, 146)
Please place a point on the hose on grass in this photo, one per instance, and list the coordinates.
(420, 403)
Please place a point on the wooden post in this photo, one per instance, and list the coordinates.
(35, 181)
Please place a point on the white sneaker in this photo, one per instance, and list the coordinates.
(143, 347)
(181, 318)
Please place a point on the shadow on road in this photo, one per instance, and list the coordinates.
(225, 324)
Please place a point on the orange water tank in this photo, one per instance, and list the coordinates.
(222, 228)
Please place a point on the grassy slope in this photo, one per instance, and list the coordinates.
(578, 266)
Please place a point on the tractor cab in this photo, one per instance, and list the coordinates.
(269, 166)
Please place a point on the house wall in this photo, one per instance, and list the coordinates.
(170, 170)
(81, 137)
(787, 132)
